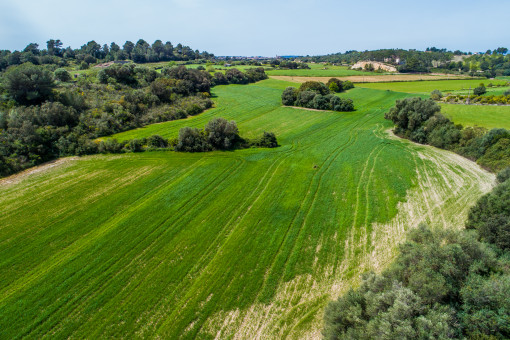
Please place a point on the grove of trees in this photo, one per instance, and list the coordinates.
(316, 95)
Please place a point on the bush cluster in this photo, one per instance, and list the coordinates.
(316, 95)
(219, 134)
(421, 121)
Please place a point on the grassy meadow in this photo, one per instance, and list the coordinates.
(249, 243)
(488, 116)
(456, 86)
(321, 70)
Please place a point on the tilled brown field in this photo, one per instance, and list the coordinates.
(374, 79)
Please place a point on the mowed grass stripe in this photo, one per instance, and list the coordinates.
(151, 247)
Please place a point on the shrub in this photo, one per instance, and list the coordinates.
(497, 156)
(289, 96)
(110, 146)
(268, 140)
(156, 141)
(235, 76)
(219, 79)
(436, 95)
(480, 90)
(62, 74)
(409, 114)
(435, 289)
(192, 140)
(345, 105)
(347, 85)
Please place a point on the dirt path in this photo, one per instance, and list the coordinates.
(372, 79)
(18, 177)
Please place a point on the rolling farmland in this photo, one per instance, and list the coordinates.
(251, 243)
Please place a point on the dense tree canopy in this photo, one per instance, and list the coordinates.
(29, 84)
(315, 95)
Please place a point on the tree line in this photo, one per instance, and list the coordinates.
(442, 285)
(92, 52)
(218, 134)
(491, 63)
(421, 121)
(319, 96)
(44, 114)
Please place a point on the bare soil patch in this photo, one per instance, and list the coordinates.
(16, 178)
(372, 79)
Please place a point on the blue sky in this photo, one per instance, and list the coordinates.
(264, 27)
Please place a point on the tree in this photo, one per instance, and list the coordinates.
(29, 84)
(289, 96)
(305, 99)
(491, 216)
(503, 175)
(409, 114)
(221, 134)
(192, 140)
(128, 48)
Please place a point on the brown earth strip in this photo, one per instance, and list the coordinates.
(373, 79)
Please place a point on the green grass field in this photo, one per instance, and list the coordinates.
(250, 243)
(321, 70)
(488, 116)
(425, 87)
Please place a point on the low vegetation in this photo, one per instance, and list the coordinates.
(316, 95)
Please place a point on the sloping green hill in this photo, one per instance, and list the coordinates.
(251, 243)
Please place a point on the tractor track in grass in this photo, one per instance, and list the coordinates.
(37, 273)
(239, 219)
(154, 235)
(322, 170)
